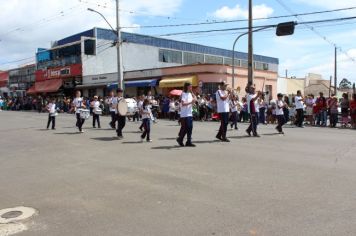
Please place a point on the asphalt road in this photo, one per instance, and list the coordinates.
(300, 183)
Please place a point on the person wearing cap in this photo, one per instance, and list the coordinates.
(95, 105)
(280, 104)
(223, 108)
(121, 120)
(251, 98)
(112, 109)
(187, 100)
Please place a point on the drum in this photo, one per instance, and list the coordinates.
(122, 107)
(84, 114)
(98, 111)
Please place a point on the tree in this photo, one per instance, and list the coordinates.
(345, 84)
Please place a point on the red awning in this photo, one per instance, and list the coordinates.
(31, 90)
(47, 86)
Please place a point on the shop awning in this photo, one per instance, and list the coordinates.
(136, 83)
(177, 82)
(47, 86)
(31, 90)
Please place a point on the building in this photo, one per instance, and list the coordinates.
(290, 86)
(314, 84)
(4, 83)
(87, 61)
(21, 79)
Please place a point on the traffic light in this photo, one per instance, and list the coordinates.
(286, 28)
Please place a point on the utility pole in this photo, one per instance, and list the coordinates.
(120, 71)
(250, 43)
(331, 78)
(286, 74)
(335, 72)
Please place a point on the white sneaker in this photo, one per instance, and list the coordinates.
(81, 131)
(149, 141)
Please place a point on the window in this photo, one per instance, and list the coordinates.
(170, 56)
(213, 59)
(228, 61)
(210, 88)
(261, 66)
(265, 66)
(244, 63)
(193, 58)
(89, 47)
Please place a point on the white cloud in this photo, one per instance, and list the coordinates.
(38, 22)
(329, 4)
(228, 13)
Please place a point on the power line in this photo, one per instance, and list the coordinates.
(241, 20)
(260, 26)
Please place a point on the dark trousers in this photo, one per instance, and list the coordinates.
(281, 121)
(172, 115)
(147, 128)
(300, 117)
(186, 129)
(286, 114)
(224, 121)
(80, 122)
(113, 119)
(121, 122)
(96, 118)
(333, 119)
(234, 117)
(51, 119)
(253, 124)
(262, 116)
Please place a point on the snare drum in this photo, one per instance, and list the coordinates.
(98, 111)
(84, 114)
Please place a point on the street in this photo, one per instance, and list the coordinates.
(300, 183)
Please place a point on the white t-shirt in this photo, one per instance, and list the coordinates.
(96, 105)
(223, 105)
(279, 111)
(78, 103)
(116, 101)
(145, 110)
(52, 108)
(186, 111)
(298, 104)
(233, 106)
(249, 98)
(172, 106)
(110, 102)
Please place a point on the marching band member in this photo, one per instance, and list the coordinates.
(96, 111)
(223, 108)
(234, 115)
(279, 112)
(121, 120)
(77, 104)
(111, 109)
(146, 120)
(140, 106)
(186, 116)
(51, 108)
(251, 98)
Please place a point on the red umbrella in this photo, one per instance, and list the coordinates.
(175, 92)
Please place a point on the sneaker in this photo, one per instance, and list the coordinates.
(225, 140)
(281, 132)
(99, 127)
(236, 128)
(81, 131)
(189, 145)
(248, 133)
(256, 135)
(94, 127)
(120, 137)
(218, 137)
(53, 128)
(141, 139)
(149, 140)
(180, 142)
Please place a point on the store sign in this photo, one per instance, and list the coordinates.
(59, 72)
(100, 79)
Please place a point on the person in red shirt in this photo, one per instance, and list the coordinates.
(322, 110)
(353, 111)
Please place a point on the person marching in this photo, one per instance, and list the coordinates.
(251, 98)
(96, 111)
(223, 108)
(234, 115)
(146, 120)
(121, 120)
(186, 116)
(51, 108)
(112, 109)
(299, 106)
(279, 113)
(77, 104)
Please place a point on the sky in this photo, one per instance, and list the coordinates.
(27, 25)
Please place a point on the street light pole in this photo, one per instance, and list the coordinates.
(250, 43)
(120, 71)
(335, 71)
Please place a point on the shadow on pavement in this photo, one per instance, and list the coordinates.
(240, 137)
(272, 134)
(105, 139)
(133, 142)
(167, 138)
(207, 141)
(69, 133)
(167, 147)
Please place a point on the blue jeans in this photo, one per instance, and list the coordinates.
(147, 128)
(186, 128)
(262, 115)
(224, 118)
(322, 118)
